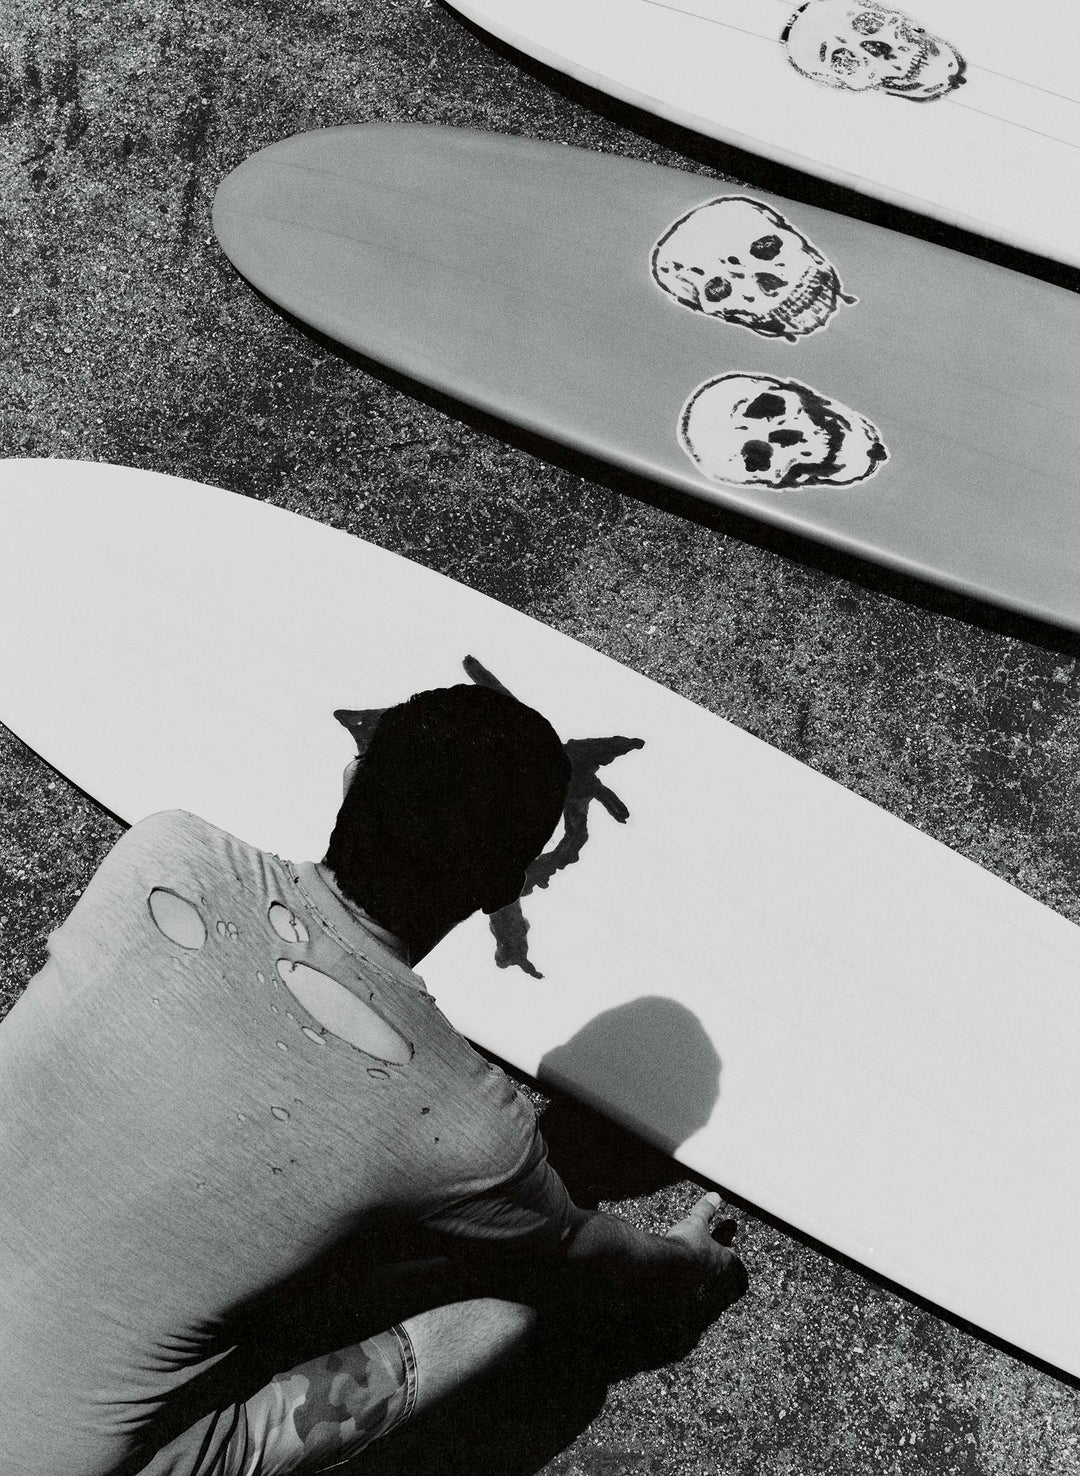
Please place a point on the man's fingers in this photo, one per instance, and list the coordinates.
(704, 1213)
(705, 1208)
(709, 1247)
(724, 1232)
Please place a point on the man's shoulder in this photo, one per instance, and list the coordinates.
(177, 843)
(177, 831)
(171, 825)
(174, 823)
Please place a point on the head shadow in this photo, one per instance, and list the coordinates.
(649, 1063)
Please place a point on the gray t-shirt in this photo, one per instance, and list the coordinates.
(178, 1136)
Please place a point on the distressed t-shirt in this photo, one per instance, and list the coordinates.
(178, 1136)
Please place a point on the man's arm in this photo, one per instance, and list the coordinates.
(686, 1255)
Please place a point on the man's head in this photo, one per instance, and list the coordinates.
(454, 793)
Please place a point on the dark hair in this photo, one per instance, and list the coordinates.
(457, 790)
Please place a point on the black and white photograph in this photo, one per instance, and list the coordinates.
(539, 738)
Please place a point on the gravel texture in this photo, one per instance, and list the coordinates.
(129, 338)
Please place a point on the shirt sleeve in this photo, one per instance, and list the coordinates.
(528, 1212)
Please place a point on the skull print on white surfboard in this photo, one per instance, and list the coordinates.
(842, 43)
(990, 156)
(751, 430)
(740, 260)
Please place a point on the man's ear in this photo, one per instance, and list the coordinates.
(360, 723)
(349, 775)
(478, 673)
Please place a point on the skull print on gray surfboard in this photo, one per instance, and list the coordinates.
(755, 431)
(740, 260)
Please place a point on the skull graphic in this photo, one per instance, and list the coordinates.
(844, 44)
(751, 430)
(738, 259)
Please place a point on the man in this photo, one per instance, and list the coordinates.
(227, 1071)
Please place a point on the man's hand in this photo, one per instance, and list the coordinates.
(708, 1256)
(687, 1255)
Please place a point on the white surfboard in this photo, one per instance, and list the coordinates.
(801, 997)
(860, 93)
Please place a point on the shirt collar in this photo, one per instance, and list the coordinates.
(347, 918)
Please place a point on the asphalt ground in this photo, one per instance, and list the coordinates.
(127, 337)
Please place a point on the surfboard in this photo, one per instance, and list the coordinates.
(898, 400)
(799, 996)
(967, 114)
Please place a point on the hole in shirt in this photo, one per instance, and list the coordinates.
(286, 924)
(342, 1014)
(176, 918)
